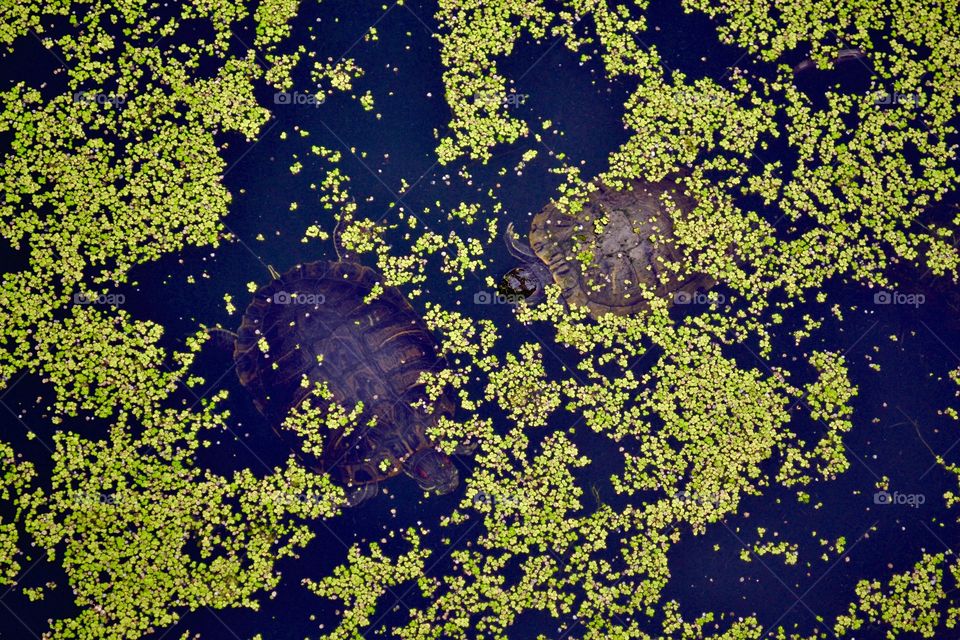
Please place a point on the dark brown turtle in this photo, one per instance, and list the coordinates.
(318, 328)
(604, 271)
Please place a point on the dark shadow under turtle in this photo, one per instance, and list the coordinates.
(606, 271)
(318, 328)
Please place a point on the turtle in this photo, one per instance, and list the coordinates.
(319, 328)
(603, 271)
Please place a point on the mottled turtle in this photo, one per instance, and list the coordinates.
(317, 327)
(603, 270)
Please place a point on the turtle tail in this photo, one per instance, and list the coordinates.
(342, 254)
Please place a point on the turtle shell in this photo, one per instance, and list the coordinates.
(604, 271)
(318, 328)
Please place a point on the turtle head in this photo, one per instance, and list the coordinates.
(529, 279)
(521, 282)
(433, 471)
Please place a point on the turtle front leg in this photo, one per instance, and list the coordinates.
(224, 339)
(361, 493)
(518, 249)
